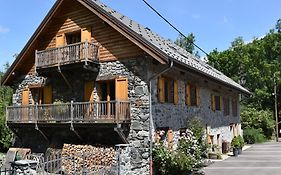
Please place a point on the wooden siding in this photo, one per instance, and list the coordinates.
(75, 17)
(71, 16)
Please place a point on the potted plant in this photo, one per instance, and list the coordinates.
(241, 144)
(235, 144)
(214, 152)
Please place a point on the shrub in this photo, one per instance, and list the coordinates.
(258, 119)
(241, 141)
(186, 158)
(235, 142)
(252, 135)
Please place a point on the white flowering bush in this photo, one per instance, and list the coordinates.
(188, 156)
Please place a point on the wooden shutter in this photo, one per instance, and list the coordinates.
(86, 34)
(25, 97)
(88, 91)
(170, 139)
(176, 92)
(161, 91)
(47, 95)
(60, 40)
(187, 95)
(197, 96)
(213, 103)
(121, 89)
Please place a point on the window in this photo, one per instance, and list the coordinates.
(167, 90)
(192, 95)
(216, 103)
(226, 106)
(110, 91)
(72, 38)
(234, 108)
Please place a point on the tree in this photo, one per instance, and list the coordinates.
(252, 65)
(5, 100)
(278, 25)
(186, 42)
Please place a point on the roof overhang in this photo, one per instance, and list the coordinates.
(140, 42)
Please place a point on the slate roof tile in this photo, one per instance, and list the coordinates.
(169, 48)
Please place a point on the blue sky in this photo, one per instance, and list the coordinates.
(214, 23)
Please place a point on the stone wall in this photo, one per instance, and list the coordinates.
(25, 83)
(135, 70)
(138, 70)
(176, 116)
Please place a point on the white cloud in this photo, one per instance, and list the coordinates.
(4, 29)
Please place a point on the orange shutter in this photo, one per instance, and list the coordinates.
(213, 102)
(187, 95)
(170, 139)
(25, 97)
(161, 87)
(86, 34)
(121, 89)
(176, 92)
(88, 91)
(47, 95)
(197, 96)
(60, 40)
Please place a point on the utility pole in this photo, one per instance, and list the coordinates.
(276, 111)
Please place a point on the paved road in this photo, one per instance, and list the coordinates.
(260, 159)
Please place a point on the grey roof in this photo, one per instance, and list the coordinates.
(169, 48)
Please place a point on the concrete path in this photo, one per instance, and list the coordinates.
(260, 159)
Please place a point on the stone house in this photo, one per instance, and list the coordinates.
(90, 75)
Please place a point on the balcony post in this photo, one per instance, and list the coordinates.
(118, 111)
(86, 52)
(36, 116)
(71, 115)
(36, 61)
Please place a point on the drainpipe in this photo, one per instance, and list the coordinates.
(171, 63)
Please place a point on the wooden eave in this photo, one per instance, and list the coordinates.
(47, 18)
(121, 28)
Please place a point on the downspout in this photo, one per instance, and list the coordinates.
(150, 109)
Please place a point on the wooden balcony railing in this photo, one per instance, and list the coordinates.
(72, 53)
(81, 112)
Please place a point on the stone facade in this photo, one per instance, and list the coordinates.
(177, 116)
(138, 71)
(135, 70)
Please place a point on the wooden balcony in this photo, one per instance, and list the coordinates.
(74, 112)
(70, 54)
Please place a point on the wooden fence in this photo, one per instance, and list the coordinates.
(102, 111)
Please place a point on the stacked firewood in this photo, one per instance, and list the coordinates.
(86, 158)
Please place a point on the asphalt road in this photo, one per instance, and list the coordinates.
(260, 159)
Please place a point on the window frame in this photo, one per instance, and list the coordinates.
(188, 99)
(167, 90)
(216, 103)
